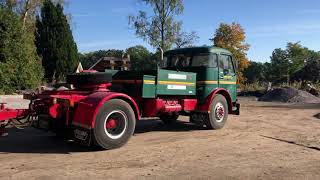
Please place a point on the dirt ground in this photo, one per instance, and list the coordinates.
(267, 141)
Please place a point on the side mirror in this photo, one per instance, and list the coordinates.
(225, 71)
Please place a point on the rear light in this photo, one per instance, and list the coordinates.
(54, 101)
(71, 103)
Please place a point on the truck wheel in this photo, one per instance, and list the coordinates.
(115, 124)
(169, 119)
(218, 113)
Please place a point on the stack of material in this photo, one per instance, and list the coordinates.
(289, 95)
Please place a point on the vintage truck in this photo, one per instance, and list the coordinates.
(103, 108)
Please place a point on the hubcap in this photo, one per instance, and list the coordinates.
(219, 112)
(115, 124)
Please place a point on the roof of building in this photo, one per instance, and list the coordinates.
(104, 61)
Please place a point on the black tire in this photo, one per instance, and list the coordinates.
(169, 118)
(216, 120)
(118, 108)
(89, 78)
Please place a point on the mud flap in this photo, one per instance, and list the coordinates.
(82, 136)
(236, 109)
(3, 131)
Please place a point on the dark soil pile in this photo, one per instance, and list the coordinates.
(289, 95)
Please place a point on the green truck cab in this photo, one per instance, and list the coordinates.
(215, 68)
(199, 82)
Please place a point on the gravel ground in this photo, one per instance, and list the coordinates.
(267, 141)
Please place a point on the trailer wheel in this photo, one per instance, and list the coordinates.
(218, 113)
(115, 124)
(169, 119)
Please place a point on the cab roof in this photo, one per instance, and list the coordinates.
(201, 49)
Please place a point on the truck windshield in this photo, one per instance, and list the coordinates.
(191, 60)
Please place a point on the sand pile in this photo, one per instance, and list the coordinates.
(289, 95)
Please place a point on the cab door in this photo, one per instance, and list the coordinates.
(227, 75)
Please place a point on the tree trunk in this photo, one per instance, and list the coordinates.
(25, 13)
(24, 19)
(162, 25)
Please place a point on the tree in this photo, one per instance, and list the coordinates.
(311, 72)
(295, 63)
(280, 65)
(185, 39)
(232, 37)
(28, 9)
(20, 67)
(25, 8)
(55, 43)
(158, 30)
(141, 58)
(255, 72)
(288, 62)
(298, 56)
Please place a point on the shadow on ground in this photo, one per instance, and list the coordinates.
(30, 140)
(317, 116)
(145, 126)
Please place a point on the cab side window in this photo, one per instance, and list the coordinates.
(204, 60)
(225, 62)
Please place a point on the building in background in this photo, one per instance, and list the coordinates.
(114, 63)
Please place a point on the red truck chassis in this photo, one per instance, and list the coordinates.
(92, 114)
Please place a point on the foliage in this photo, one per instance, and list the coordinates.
(185, 39)
(280, 65)
(310, 72)
(20, 67)
(294, 63)
(88, 59)
(254, 89)
(255, 72)
(290, 66)
(26, 9)
(55, 43)
(141, 58)
(159, 30)
(232, 37)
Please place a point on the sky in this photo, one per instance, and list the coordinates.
(269, 24)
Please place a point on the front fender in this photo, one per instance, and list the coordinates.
(88, 108)
(206, 106)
